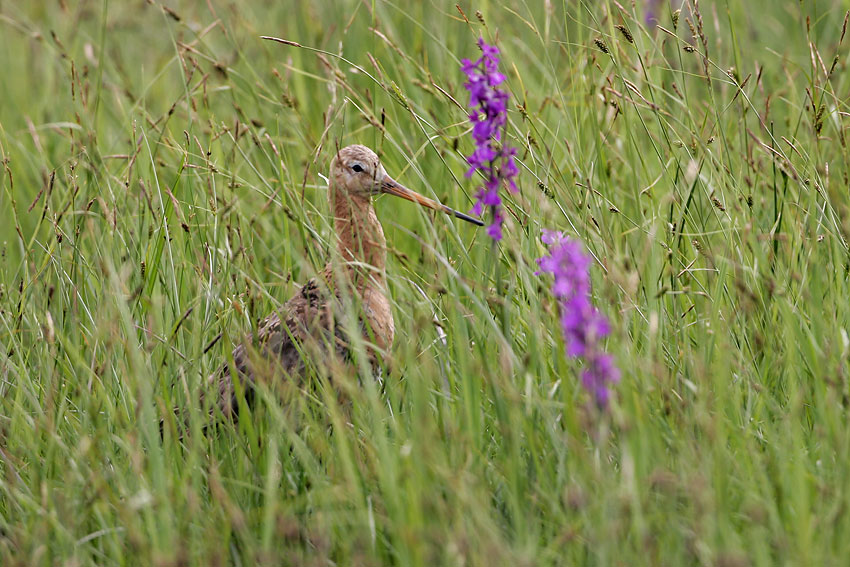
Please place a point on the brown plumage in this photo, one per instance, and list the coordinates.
(308, 327)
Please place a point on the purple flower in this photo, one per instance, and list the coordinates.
(652, 9)
(581, 323)
(491, 158)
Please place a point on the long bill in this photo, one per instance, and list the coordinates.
(393, 187)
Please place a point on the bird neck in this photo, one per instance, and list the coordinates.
(359, 233)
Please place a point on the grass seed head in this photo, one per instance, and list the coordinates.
(601, 45)
(626, 33)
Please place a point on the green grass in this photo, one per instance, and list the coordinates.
(161, 185)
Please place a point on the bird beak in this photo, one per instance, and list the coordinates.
(391, 186)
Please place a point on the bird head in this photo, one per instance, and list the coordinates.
(358, 171)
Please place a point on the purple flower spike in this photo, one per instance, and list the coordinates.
(581, 323)
(489, 116)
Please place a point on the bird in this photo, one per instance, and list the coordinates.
(307, 328)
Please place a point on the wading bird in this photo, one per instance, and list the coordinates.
(307, 328)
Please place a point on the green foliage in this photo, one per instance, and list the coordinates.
(161, 186)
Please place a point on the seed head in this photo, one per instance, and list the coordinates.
(601, 45)
(626, 33)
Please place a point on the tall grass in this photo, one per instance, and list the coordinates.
(161, 186)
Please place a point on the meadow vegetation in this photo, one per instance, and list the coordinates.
(162, 189)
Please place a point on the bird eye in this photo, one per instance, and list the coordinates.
(357, 168)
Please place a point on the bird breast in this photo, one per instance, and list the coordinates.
(379, 316)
